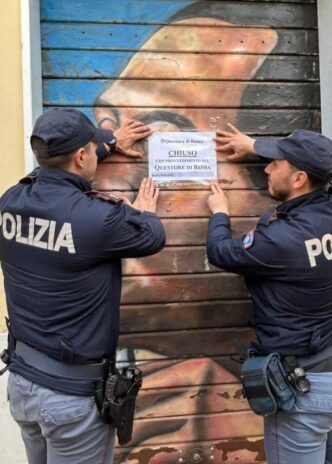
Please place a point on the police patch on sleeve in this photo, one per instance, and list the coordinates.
(248, 240)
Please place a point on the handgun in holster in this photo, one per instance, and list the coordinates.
(118, 406)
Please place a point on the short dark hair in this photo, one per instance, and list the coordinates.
(39, 148)
(316, 183)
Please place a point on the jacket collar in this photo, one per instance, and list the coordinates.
(284, 209)
(58, 176)
(312, 197)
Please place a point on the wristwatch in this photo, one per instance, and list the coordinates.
(112, 145)
(106, 149)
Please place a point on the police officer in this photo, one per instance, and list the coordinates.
(287, 263)
(61, 251)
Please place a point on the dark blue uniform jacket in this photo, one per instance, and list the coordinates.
(61, 251)
(287, 264)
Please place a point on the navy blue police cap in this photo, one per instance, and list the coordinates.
(64, 130)
(307, 150)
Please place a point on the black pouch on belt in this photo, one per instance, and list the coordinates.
(265, 385)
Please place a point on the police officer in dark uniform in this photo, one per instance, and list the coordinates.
(287, 263)
(61, 250)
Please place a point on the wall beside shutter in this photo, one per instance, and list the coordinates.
(187, 65)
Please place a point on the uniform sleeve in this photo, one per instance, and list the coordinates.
(129, 233)
(264, 256)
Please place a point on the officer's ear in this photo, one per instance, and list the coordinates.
(300, 179)
(79, 157)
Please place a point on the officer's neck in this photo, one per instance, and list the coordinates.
(80, 172)
(299, 192)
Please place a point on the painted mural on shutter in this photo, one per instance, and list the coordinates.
(186, 65)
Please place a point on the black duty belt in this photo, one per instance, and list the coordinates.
(319, 362)
(51, 366)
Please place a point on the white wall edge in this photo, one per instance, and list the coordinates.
(324, 8)
(31, 73)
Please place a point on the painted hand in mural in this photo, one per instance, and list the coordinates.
(147, 196)
(129, 133)
(236, 143)
(217, 201)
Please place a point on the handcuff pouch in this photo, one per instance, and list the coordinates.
(265, 385)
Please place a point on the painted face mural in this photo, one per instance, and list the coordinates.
(178, 313)
(177, 82)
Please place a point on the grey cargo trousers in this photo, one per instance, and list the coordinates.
(57, 428)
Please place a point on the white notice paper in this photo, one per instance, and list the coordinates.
(182, 156)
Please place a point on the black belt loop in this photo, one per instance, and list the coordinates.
(44, 363)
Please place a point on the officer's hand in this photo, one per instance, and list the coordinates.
(129, 133)
(217, 201)
(236, 143)
(147, 196)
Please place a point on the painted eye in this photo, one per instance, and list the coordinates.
(108, 123)
(163, 126)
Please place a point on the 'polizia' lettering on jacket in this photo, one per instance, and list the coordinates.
(40, 233)
(316, 247)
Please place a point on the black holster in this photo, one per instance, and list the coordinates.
(6, 354)
(116, 396)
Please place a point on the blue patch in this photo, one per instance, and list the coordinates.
(248, 240)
